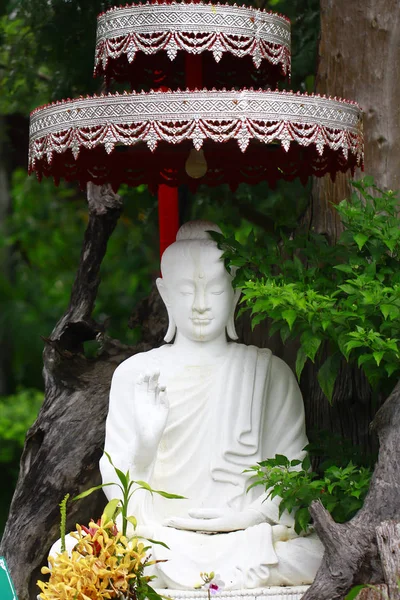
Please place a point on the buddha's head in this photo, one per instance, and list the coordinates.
(196, 287)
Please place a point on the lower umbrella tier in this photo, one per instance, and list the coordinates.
(246, 136)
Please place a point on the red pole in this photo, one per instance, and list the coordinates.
(168, 215)
(168, 205)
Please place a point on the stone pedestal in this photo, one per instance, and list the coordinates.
(267, 593)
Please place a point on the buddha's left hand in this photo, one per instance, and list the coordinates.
(216, 520)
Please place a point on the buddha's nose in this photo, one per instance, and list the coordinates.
(200, 304)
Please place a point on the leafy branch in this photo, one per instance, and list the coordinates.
(340, 489)
(344, 298)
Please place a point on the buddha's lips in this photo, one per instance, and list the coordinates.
(201, 321)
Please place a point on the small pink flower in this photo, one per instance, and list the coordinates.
(215, 585)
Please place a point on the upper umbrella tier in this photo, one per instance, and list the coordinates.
(247, 136)
(238, 45)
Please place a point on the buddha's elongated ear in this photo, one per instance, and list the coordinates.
(230, 327)
(162, 290)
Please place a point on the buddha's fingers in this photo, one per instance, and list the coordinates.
(140, 379)
(153, 380)
(192, 524)
(162, 397)
(206, 513)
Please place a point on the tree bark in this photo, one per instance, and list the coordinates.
(377, 592)
(388, 537)
(351, 549)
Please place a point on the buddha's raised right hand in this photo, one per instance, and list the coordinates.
(150, 407)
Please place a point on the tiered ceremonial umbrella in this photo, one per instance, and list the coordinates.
(179, 124)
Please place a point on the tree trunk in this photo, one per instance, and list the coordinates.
(359, 54)
(388, 537)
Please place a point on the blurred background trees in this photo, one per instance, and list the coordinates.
(46, 54)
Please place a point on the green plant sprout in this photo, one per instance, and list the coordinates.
(128, 487)
(63, 520)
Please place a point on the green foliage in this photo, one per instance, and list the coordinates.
(18, 412)
(345, 297)
(128, 487)
(340, 489)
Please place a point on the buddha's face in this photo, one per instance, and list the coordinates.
(198, 293)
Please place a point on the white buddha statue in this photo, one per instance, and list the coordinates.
(190, 417)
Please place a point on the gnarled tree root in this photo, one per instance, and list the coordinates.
(351, 550)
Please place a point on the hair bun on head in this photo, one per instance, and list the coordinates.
(196, 230)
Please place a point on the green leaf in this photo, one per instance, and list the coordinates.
(109, 459)
(368, 181)
(306, 463)
(300, 362)
(124, 478)
(348, 289)
(389, 310)
(290, 316)
(132, 520)
(378, 355)
(310, 344)
(360, 239)
(145, 486)
(285, 333)
(364, 358)
(391, 244)
(150, 593)
(303, 518)
(328, 373)
(157, 542)
(109, 511)
(91, 490)
(325, 324)
(281, 460)
(355, 591)
(170, 496)
(353, 344)
(344, 268)
(391, 368)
